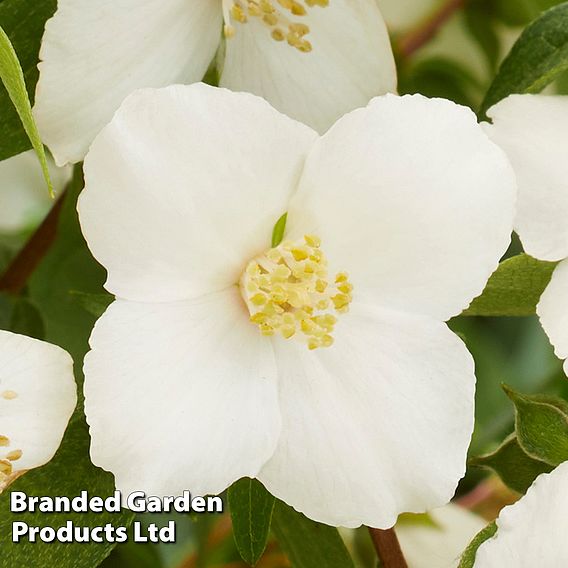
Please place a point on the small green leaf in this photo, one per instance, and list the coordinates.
(278, 231)
(95, 304)
(514, 289)
(13, 78)
(515, 468)
(541, 424)
(468, 557)
(537, 58)
(308, 544)
(251, 512)
(24, 22)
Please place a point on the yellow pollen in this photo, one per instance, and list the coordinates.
(14, 455)
(288, 293)
(277, 15)
(4, 441)
(9, 394)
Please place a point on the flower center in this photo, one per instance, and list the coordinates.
(277, 15)
(287, 292)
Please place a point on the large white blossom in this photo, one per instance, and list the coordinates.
(532, 532)
(37, 398)
(23, 191)
(533, 131)
(335, 382)
(312, 59)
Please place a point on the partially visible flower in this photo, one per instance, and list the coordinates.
(37, 398)
(312, 59)
(440, 542)
(533, 131)
(321, 366)
(23, 193)
(532, 532)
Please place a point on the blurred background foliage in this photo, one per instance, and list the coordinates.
(457, 59)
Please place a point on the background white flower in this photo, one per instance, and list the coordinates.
(37, 397)
(533, 131)
(182, 190)
(96, 53)
(438, 544)
(24, 194)
(532, 532)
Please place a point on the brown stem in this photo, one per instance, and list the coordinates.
(14, 280)
(388, 548)
(420, 36)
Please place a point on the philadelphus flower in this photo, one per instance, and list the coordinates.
(23, 192)
(320, 365)
(37, 398)
(312, 59)
(532, 532)
(533, 131)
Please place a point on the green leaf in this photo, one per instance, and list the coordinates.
(441, 77)
(251, 512)
(13, 78)
(308, 544)
(468, 557)
(19, 315)
(278, 231)
(95, 304)
(68, 267)
(69, 473)
(483, 30)
(515, 468)
(514, 289)
(541, 425)
(23, 21)
(520, 12)
(537, 58)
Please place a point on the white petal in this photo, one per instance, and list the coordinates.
(532, 532)
(351, 62)
(96, 53)
(440, 544)
(552, 310)
(377, 425)
(180, 395)
(37, 397)
(411, 198)
(184, 187)
(23, 192)
(533, 131)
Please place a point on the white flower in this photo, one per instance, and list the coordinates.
(441, 543)
(533, 131)
(24, 195)
(532, 532)
(331, 60)
(37, 398)
(183, 391)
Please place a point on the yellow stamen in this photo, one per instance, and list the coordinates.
(288, 293)
(277, 15)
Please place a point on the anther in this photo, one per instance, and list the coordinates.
(288, 293)
(278, 15)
